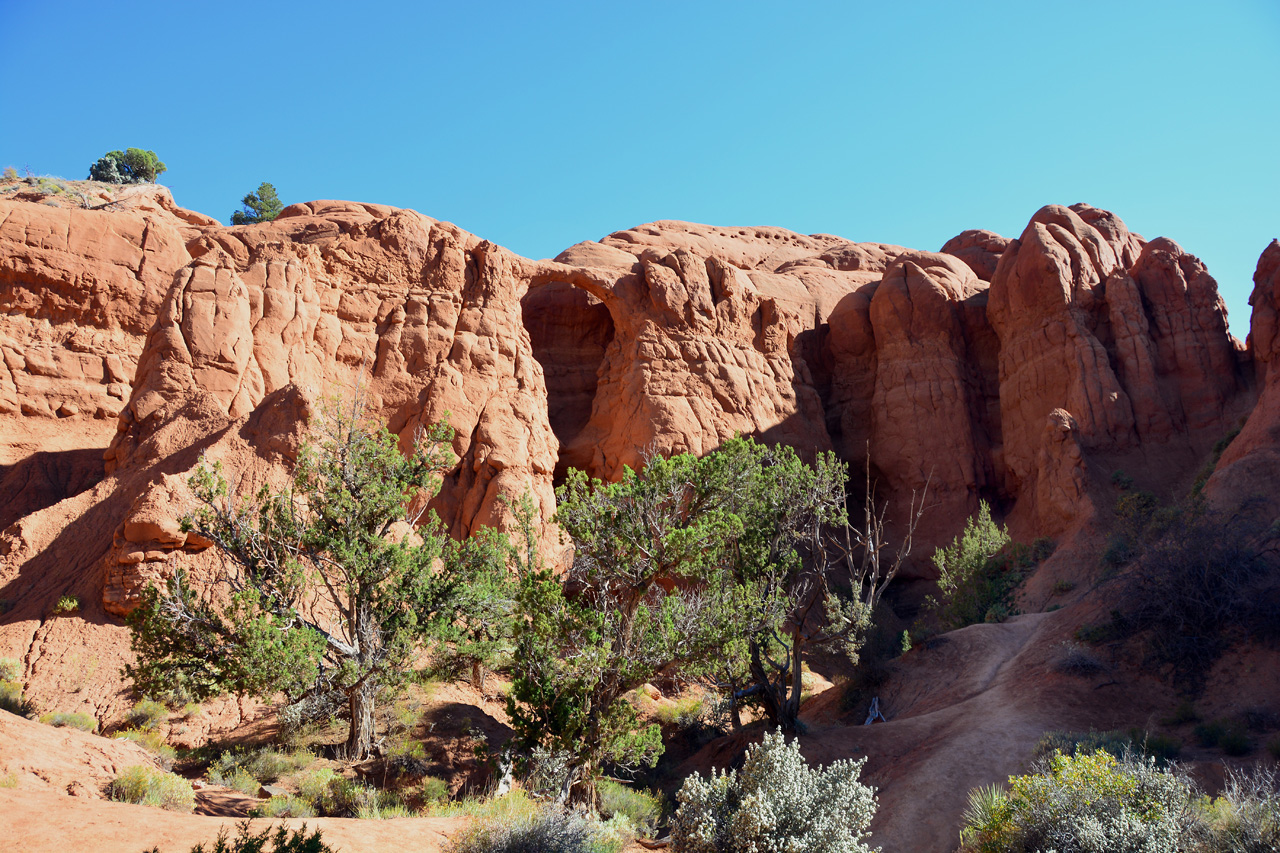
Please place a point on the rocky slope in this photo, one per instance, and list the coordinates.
(138, 337)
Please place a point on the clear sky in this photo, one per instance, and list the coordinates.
(537, 125)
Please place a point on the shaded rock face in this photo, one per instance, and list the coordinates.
(1250, 465)
(1128, 340)
(934, 408)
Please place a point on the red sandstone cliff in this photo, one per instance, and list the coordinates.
(140, 336)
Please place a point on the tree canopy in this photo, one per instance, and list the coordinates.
(714, 568)
(262, 206)
(328, 589)
(131, 166)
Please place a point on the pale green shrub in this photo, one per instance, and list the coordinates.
(1245, 819)
(12, 700)
(147, 715)
(285, 807)
(266, 764)
(548, 831)
(242, 780)
(153, 742)
(641, 808)
(10, 669)
(777, 803)
(1086, 803)
(150, 787)
(71, 720)
(313, 784)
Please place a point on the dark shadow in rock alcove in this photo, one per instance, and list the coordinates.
(569, 330)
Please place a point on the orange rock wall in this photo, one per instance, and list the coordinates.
(1017, 371)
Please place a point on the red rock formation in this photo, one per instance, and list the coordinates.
(329, 290)
(1250, 465)
(79, 289)
(980, 250)
(931, 414)
(1088, 346)
(709, 332)
(1130, 343)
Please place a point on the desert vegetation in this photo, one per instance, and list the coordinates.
(1096, 801)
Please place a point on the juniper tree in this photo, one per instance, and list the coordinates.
(327, 587)
(710, 568)
(131, 166)
(262, 206)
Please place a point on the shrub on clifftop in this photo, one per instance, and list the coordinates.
(131, 166)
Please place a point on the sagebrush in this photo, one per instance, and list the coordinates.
(776, 803)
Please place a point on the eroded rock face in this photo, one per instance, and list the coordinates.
(331, 291)
(1015, 371)
(1128, 339)
(709, 332)
(932, 407)
(1250, 465)
(78, 289)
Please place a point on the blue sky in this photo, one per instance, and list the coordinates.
(537, 125)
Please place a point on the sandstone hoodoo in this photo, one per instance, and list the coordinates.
(1033, 374)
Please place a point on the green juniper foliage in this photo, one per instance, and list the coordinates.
(276, 839)
(262, 206)
(652, 595)
(709, 567)
(321, 595)
(973, 586)
(131, 166)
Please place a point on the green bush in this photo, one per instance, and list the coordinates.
(10, 670)
(12, 700)
(342, 797)
(265, 764)
(278, 839)
(775, 803)
(313, 784)
(151, 741)
(1229, 736)
(1184, 713)
(546, 831)
(642, 809)
(242, 780)
(131, 166)
(286, 806)
(147, 786)
(66, 604)
(147, 715)
(433, 789)
(1092, 803)
(980, 572)
(687, 712)
(1161, 748)
(70, 719)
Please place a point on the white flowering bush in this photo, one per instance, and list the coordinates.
(777, 804)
